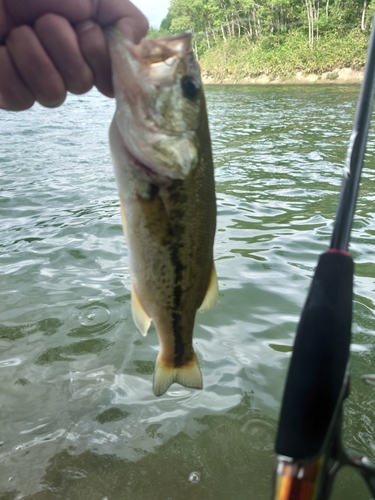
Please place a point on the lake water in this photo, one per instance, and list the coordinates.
(78, 416)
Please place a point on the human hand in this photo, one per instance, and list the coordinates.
(49, 47)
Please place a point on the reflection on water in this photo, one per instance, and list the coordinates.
(78, 416)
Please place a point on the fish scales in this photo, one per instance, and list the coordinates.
(161, 151)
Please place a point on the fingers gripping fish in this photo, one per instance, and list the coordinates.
(161, 151)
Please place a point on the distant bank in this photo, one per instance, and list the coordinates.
(343, 75)
(275, 41)
(332, 59)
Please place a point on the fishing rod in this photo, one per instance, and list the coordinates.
(308, 443)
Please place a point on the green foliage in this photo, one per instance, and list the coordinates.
(247, 38)
(165, 25)
(153, 32)
(283, 58)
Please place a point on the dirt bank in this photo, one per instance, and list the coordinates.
(343, 75)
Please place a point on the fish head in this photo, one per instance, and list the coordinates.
(160, 101)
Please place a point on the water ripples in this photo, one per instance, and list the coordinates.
(79, 419)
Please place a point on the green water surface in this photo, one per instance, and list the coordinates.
(78, 419)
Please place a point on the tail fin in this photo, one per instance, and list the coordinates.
(188, 375)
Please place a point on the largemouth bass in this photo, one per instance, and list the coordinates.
(161, 152)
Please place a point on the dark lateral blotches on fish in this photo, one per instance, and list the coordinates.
(177, 294)
(176, 261)
(175, 247)
(179, 348)
(150, 194)
(155, 217)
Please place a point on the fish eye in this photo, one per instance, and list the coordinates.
(190, 87)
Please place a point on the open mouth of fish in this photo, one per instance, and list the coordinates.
(139, 163)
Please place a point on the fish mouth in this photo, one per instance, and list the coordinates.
(150, 51)
(146, 168)
(157, 172)
(154, 161)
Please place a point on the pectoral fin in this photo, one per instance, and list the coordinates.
(140, 317)
(188, 375)
(212, 292)
(123, 220)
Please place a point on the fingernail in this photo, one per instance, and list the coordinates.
(84, 26)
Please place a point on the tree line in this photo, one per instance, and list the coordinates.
(253, 20)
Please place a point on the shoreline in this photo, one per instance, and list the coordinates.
(337, 75)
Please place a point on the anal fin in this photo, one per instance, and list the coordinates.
(188, 375)
(212, 293)
(140, 317)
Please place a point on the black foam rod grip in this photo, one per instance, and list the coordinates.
(319, 360)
